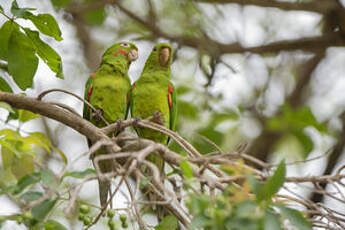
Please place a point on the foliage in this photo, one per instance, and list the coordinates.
(238, 209)
(19, 46)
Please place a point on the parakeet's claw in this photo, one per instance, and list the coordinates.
(92, 156)
(118, 125)
(136, 120)
(157, 117)
(97, 115)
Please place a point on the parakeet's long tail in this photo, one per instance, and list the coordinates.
(159, 209)
(105, 166)
(103, 187)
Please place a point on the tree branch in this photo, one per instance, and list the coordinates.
(314, 6)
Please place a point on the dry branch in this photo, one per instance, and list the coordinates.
(205, 168)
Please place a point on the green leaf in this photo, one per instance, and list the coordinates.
(48, 178)
(46, 24)
(26, 181)
(6, 106)
(257, 187)
(271, 221)
(186, 169)
(47, 54)
(31, 196)
(80, 174)
(295, 217)
(275, 182)
(20, 163)
(25, 115)
(169, 222)
(53, 225)
(22, 61)
(6, 31)
(1, 9)
(4, 86)
(305, 142)
(38, 139)
(20, 12)
(40, 211)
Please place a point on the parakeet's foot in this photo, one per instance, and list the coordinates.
(92, 156)
(97, 115)
(118, 125)
(136, 120)
(157, 117)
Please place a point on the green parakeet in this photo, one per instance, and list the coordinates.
(108, 91)
(153, 92)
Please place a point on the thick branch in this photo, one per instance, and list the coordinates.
(46, 109)
(314, 6)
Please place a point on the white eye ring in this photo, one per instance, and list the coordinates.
(125, 45)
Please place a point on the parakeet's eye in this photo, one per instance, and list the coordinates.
(125, 45)
(155, 49)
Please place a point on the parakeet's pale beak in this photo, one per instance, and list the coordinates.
(132, 55)
(164, 56)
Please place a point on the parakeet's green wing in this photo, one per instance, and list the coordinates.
(172, 107)
(86, 110)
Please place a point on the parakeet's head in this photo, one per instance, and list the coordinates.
(119, 52)
(161, 56)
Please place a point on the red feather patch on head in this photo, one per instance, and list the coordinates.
(116, 53)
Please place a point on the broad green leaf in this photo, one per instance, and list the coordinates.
(80, 174)
(38, 139)
(20, 165)
(256, 186)
(295, 217)
(31, 196)
(271, 221)
(7, 181)
(48, 178)
(20, 12)
(22, 61)
(1, 9)
(4, 86)
(47, 54)
(169, 222)
(25, 115)
(6, 31)
(6, 106)
(186, 169)
(40, 211)
(53, 225)
(305, 142)
(46, 24)
(274, 183)
(26, 181)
